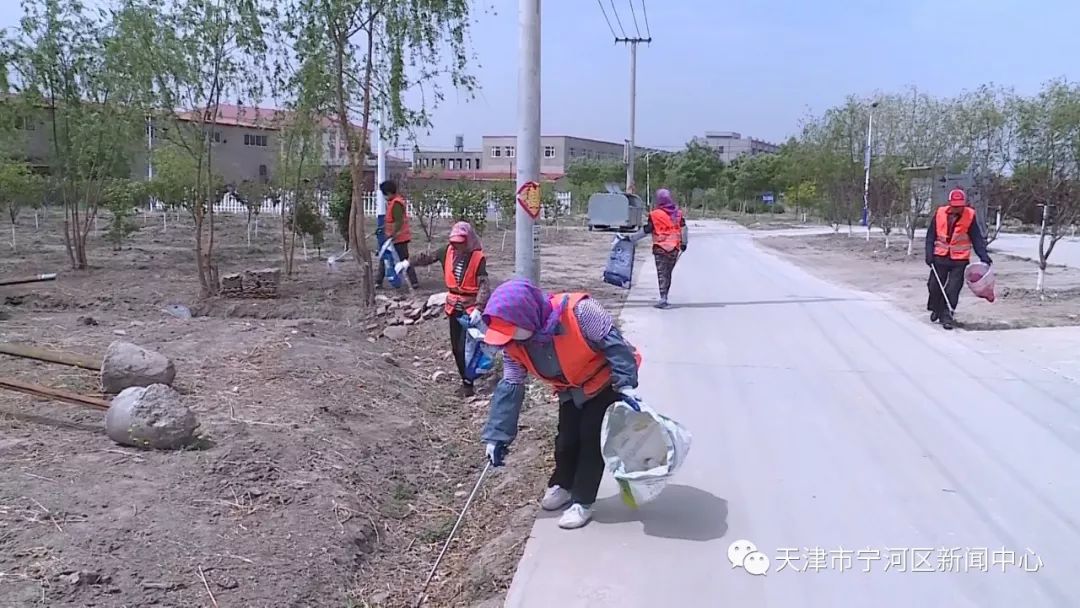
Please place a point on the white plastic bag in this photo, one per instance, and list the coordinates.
(642, 449)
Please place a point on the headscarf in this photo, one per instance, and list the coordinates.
(465, 229)
(524, 305)
(666, 203)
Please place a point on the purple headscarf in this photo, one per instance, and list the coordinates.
(665, 202)
(524, 305)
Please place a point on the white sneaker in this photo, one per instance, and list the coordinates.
(554, 499)
(575, 517)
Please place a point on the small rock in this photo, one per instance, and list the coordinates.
(437, 300)
(119, 332)
(413, 314)
(382, 310)
(370, 339)
(396, 332)
(397, 321)
(408, 322)
(177, 310)
(460, 494)
(371, 326)
(85, 577)
(228, 583)
(418, 364)
(137, 324)
(87, 321)
(437, 376)
(389, 358)
(382, 299)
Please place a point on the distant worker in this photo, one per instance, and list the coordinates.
(465, 274)
(949, 241)
(570, 342)
(396, 230)
(667, 226)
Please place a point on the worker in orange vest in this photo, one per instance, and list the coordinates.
(465, 274)
(667, 226)
(570, 342)
(950, 237)
(397, 230)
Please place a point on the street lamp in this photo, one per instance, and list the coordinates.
(866, 180)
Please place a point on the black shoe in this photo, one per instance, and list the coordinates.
(465, 391)
(934, 317)
(948, 323)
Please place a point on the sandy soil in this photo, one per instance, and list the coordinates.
(336, 462)
(890, 272)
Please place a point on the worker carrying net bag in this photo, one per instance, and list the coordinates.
(642, 449)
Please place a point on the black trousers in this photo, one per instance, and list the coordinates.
(457, 345)
(952, 276)
(579, 465)
(402, 250)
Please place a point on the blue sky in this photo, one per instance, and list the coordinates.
(753, 66)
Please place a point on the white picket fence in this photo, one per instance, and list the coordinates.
(232, 205)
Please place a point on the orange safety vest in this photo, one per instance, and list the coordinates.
(404, 235)
(466, 291)
(581, 366)
(666, 233)
(959, 246)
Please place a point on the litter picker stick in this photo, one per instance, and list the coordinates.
(449, 539)
(944, 294)
(34, 279)
(51, 393)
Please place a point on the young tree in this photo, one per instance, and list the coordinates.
(196, 54)
(75, 68)
(372, 52)
(297, 178)
(18, 188)
(696, 168)
(1048, 163)
(427, 208)
(121, 197)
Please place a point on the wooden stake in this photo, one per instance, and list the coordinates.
(49, 356)
(51, 393)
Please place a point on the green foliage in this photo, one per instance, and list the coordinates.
(503, 194)
(308, 222)
(550, 206)
(341, 203)
(122, 198)
(696, 168)
(427, 208)
(468, 204)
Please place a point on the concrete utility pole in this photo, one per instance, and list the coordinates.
(630, 152)
(526, 237)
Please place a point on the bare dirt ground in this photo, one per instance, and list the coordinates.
(337, 459)
(869, 266)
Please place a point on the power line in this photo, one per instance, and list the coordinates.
(617, 20)
(601, 5)
(634, 13)
(648, 30)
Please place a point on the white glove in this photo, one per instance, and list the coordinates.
(631, 397)
(475, 316)
(400, 267)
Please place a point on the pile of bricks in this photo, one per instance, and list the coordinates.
(251, 284)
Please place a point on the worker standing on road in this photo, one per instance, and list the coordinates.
(949, 241)
(667, 226)
(397, 230)
(465, 274)
(570, 342)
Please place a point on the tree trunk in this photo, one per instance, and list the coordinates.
(357, 147)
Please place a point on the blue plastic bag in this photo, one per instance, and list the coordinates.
(620, 265)
(478, 356)
(387, 253)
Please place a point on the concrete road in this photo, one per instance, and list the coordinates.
(839, 435)
(1065, 253)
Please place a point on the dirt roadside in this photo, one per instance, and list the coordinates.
(338, 458)
(869, 266)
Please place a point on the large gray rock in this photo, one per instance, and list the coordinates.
(437, 300)
(127, 365)
(151, 417)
